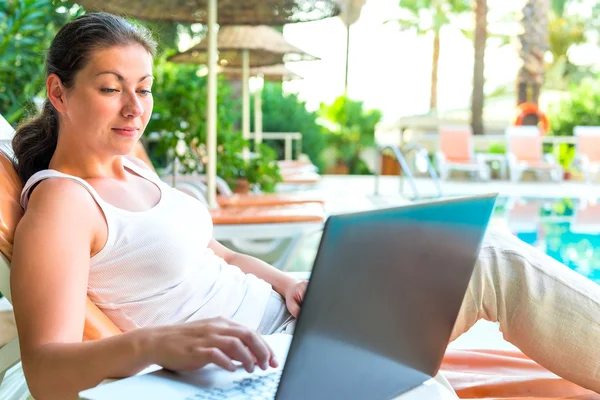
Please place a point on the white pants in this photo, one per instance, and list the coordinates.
(550, 312)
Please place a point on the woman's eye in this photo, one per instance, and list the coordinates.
(108, 90)
(146, 92)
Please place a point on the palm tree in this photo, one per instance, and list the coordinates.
(479, 41)
(534, 44)
(565, 31)
(350, 13)
(425, 16)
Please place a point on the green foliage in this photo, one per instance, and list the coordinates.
(582, 107)
(425, 16)
(497, 148)
(180, 110)
(286, 113)
(27, 28)
(352, 128)
(261, 171)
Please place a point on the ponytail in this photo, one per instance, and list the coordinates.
(35, 141)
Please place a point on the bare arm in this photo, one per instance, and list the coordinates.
(280, 281)
(49, 276)
(53, 245)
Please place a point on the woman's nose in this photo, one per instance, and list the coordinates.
(133, 106)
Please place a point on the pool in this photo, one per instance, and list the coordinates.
(566, 229)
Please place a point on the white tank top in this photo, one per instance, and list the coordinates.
(156, 267)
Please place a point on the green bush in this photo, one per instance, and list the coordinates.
(180, 111)
(582, 107)
(261, 171)
(26, 31)
(286, 113)
(352, 128)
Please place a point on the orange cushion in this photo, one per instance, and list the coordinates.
(589, 145)
(490, 374)
(527, 148)
(309, 212)
(299, 178)
(270, 199)
(10, 208)
(455, 144)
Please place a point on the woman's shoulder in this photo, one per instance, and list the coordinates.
(55, 193)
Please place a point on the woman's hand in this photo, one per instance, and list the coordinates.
(294, 296)
(194, 345)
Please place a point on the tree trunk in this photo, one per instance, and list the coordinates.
(534, 44)
(434, 73)
(477, 98)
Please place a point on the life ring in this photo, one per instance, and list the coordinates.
(525, 109)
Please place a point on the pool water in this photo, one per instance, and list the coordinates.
(566, 229)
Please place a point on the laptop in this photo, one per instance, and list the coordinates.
(385, 291)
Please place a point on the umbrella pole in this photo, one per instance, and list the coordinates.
(257, 119)
(211, 118)
(246, 100)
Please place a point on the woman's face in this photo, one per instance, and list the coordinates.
(110, 103)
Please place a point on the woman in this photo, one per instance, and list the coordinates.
(100, 224)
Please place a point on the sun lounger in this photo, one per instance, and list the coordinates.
(226, 197)
(456, 152)
(525, 153)
(297, 166)
(588, 150)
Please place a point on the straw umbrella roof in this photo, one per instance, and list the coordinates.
(270, 73)
(229, 12)
(265, 45)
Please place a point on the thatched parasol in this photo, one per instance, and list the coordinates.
(274, 73)
(230, 12)
(246, 46)
(266, 46)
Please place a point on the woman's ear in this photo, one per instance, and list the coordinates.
(56, 92)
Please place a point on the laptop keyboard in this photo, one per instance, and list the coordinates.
(260, 387)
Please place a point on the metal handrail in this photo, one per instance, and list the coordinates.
(407, 148)
(399, 153)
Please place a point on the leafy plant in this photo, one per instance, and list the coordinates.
(261, 170)
(180, 111)
(351, 129)
(27, 27)
(286, 113)
(581, 107)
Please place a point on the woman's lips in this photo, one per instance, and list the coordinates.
(129, 132)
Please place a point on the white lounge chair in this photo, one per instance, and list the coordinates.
(525, 153)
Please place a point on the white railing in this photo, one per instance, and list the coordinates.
(288, 138)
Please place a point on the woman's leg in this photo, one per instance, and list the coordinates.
(544, 308)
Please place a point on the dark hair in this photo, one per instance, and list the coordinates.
(35, 141)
